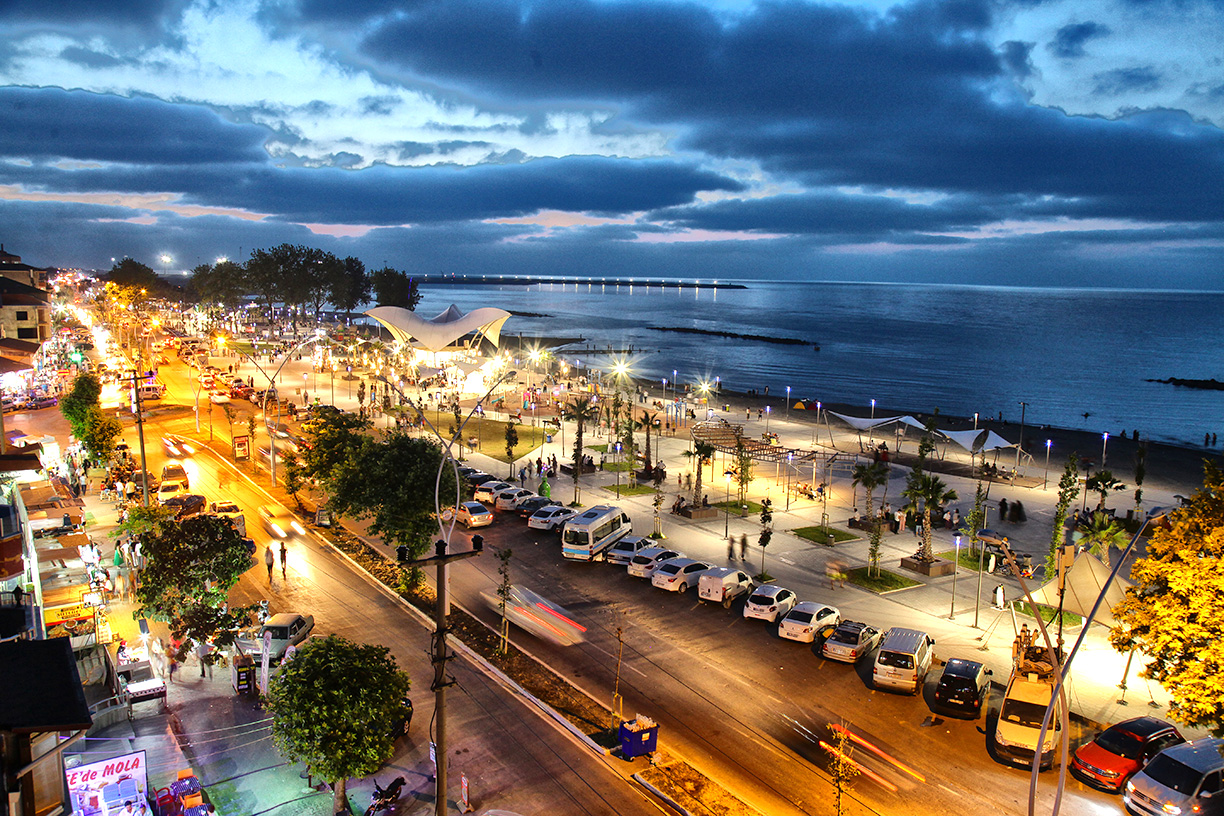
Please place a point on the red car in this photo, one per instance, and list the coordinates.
(1121, 751)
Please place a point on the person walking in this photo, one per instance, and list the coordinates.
(203, 650)
(270, 561)
(730, 548)
(1002, 510)
(284, 558)
(743, 546)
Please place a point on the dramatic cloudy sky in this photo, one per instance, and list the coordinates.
(1066, 142)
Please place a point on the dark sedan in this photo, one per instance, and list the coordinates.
(963, 687)
(527, 507)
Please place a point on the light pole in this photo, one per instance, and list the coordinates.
(1104, 443)
(956, 539)
(975, 420)
(726, 506)
(617, 448)
(1046, 479)
(871, 430)
(665, 389)
(673, 384)
(1020, 444)
(788, 403)
(766, 419)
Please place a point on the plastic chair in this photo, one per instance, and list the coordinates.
(192, 800)
(186, 772)
(127, 789)
(165, 801)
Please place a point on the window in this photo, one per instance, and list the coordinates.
(27, 334)
(23, 315)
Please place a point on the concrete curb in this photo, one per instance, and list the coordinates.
(663, 797)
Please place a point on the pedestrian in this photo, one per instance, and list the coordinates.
(898, 521)
(1002, 510)
(831, 574)
(284, 555)
(270, 561)
(730, 548)
(1206, 439)
(947, 519)
(171, 665)
(679, 480)
(918, 529)
(1213, 440)
(743, 546)
(203, 650)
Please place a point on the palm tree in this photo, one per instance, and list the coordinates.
(1101, 533)
(702, 452)
(870, 477)
(925, 492)
(645, 424)
(579, 411)
(1103, 483)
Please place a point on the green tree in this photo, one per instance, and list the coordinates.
(392, 482)
(503, 596)
(332, 706)
(870, 476)
(332, 438)
(129, 272)
(926, 493)
(350, 287)
(265, 277)
(221, 286)
(766, 534)
(580, 411)
(1103, 483)
(294, 483)
(701, 453)
(102, 434)
(646, 424)
(1174, 613)
(512, 440)
(79, 401)
(1101, 533)
(1068, 491)
(743, 473)
(395, 288)
(190, 567)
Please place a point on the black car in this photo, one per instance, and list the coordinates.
(186, 506)
(528, 506)
(478, 478)
(963, 687)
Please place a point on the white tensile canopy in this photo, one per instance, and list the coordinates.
(978, 441)
(866, 423)
(1084, 581)
(437, 333)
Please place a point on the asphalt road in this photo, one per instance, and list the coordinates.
(748, 707)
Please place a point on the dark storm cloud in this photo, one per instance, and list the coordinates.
(105, 12)
(89, 59)
(49, 124)
(1069, 41)
(384, 195)
(1127, 80)
(1017, 56)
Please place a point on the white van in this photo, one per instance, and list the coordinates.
(587, 535)
(152, 392)
(1020, 716)
(903, 660)
(723, 585)
(1186, 778)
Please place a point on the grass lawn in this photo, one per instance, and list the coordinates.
(1049, 613)
(623, 467)
(820, 534)
(631, 490)
(491, 434)
(734, 507)
(883, 582)
(968, 560)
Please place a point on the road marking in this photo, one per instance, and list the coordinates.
(786, 561)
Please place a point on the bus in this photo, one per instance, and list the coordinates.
(587, 536)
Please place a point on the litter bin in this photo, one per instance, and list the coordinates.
(243, 674)
(547, 437)
(638, 737)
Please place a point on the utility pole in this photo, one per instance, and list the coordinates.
(137, 408)
(440, 656)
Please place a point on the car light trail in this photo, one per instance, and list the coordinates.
(863, 769)
(557, 614)
(878, 752)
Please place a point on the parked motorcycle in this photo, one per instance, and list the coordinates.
(383, 798)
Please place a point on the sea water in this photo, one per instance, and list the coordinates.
(1079, 358)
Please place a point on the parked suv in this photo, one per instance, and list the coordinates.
(1187, 778)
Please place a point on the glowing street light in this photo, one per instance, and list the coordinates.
(871, 430)
(1104, 443)
(727, 506)
(788, 403)
(1046, 479)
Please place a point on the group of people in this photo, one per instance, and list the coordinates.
(681, 504)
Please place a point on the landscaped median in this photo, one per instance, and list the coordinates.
(668, 774)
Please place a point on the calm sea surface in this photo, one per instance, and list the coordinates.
(962, 349)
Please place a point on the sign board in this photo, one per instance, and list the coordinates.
(92, 786)
(59, 614)
(463, 793)
(242, 447)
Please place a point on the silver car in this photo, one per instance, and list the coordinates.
(648, 560)
(678, 574)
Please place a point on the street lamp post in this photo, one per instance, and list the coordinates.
(1046, 479)
(956, 539)
(788, 388)
(975, 420)
(1104, 443)
(766, 419)
(727, 506)
(871, 430)
(617, 448)
(1020, 444)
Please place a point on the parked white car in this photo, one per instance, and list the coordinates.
(648, 560)
(550, 518)
(678, 574)
(806, 620)
(769, 603)
(474, 514)
(622, 552)
(509, 499)
(488, 491)
(850, 641)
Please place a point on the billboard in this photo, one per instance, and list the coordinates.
(101, 788)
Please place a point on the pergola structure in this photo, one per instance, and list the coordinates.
(726, 438)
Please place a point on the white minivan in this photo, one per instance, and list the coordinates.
(903, 660)
(586, 536)
(723, 585)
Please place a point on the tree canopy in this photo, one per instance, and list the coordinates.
(1174, 613)
(332, 438)
(190, 567)
(333, 706)
(395, 288)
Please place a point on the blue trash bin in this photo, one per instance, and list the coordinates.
(637, 740)
(547, 437)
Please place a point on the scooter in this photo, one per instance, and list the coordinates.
(383, 798)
